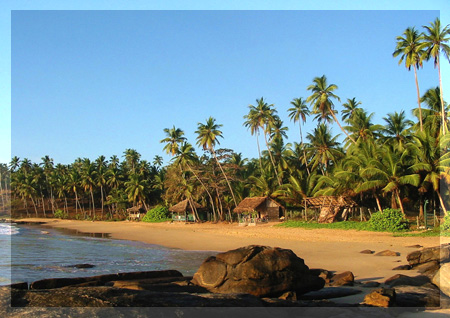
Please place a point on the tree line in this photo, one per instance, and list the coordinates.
(399, 163)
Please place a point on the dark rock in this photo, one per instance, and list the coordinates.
(18, 286)
(442, 279)
(322, 273)
(399, 279)
(367, 252)
(402, 268)
(382, 297)
(342, 279)
(289, 296)
(387, 253)
(81, 266)
(101, 279)
(257, 270)
(428, 269)
(370, 284)
(437, 253)
(330, 292)
(115, 297)
(422, 296)
(415, 246)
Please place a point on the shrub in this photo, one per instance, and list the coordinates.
(60, 214)
(391, 220)
(445, 226)
(157, 214)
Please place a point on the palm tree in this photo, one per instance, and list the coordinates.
(323, 148)
(435, 40)
(88, 179)
(361, 126)
(299, 113)
(321, 100)
(431, 162)
(432, 114)
(262, 116)
(207, 139)
(135, 189)
(101, 177)
(410, 48)
(350, 108)
(132, 159)
(397, 129)
(173, 140)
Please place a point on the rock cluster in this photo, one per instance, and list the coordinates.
(256, 276)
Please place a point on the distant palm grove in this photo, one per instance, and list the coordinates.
(398, 163)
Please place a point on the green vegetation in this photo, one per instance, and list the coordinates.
(390, 220)
(398, 163)
(157, 214)
(60, 214)
(345, 225)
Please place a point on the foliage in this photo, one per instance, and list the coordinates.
(60, 214)
(157, 214)
(346, 225)
(390, 220)
(445, 226)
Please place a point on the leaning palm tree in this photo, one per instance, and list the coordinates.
(435, 40)
(410, 48)
(350, 108)
(299, 113)
(207, 139)
(321, 100)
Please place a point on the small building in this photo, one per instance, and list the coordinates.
(330, 207)
(265, 207)
(135, 213)
(182, 211)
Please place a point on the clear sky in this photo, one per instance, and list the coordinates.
(89, 83)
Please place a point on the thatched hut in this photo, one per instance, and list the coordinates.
(135, 213)
(183, 211)
(265, 207)
(330, 206)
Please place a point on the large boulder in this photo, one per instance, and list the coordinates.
(442, 279)
(258, 270)
(430, 254)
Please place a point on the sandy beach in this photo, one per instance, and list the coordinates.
(334, 250)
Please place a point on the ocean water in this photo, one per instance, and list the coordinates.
(28, 254)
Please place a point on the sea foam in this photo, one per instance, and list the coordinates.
(7, 229)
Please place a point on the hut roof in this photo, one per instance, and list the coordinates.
(183, 206)
(250, 204)
(135, 209)
(322, 201)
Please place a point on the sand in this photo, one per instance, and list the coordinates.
(333, 250)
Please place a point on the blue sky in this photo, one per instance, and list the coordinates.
(90, 83)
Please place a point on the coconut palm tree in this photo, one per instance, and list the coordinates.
(321, 100)
(132, 158)
(207, 139)
(410, 48)
(88, 180)
(173, 140)
(323, 148)
(135, 189)
(350, 108)
(298, 113)
(397, 129)
(435, 41)
(431, 162)
(432, 113)
(262, 116)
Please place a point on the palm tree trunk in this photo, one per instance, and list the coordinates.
(304, 152)
(337, 122)
(204, 187)
(442, 202)
(226, 178)
(259, 151)
(400, 202)
(378, 202)
(443, 124)
(35, 207)
(418, 97)
(101, 191)
(271, 158)
(93, 205)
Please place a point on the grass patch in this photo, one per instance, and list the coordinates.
(435, 232)
(345, 225)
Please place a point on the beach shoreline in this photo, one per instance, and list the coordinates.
(333, 250)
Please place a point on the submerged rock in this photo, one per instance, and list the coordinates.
(258, 270)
